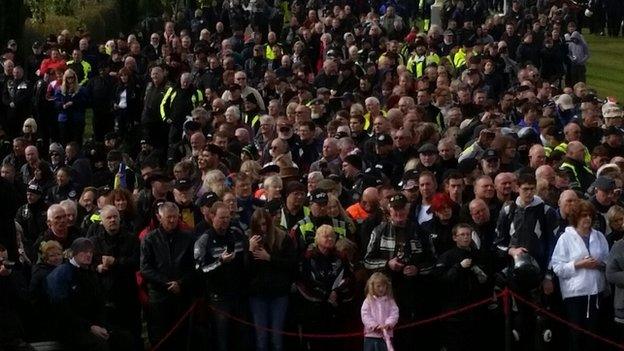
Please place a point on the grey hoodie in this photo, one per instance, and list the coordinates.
(578, 51)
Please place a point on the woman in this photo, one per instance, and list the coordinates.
(439, 229)
(127, 103)
(326, 286)
(51, 257)
(271, 261)
(123, 201)
(214, 181)
(615, 219)
(71, 102)
(335, 210)
(579, 261)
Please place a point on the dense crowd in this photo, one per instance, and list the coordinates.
(318, 168)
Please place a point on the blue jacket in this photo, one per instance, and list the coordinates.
(75, 112)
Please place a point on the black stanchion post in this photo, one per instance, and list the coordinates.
(507, 311)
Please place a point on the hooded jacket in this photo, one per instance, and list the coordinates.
(532, 227)
(376, 311)
(571, 248)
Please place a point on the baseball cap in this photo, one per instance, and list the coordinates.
(208, 199)
(182, 184)
(604, 183)
(319, 197)
(34, 188)
(398, 201)
(490, 154)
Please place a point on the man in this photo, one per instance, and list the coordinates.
(603, 198)
(309, 145)
(167, 267)
(79, 306)
(526, 229)
(178, 103)
(80, 66)
(573, 164)
(183, 190)
(219, 256)
(79, 165)
(33, 162)
(396, 249)
(490, 163)
(240, 78)
(353, 179)
(58, 228)
(429, 160)
(483, 224)
(158, 188)
(151, 117)
(116, 258)
(504, 185)
(528, 226)
(566, 203)
(17, 99)
(304, 231)
(454, 186)
(537, 156)
(330, 163)
(367, 205)
(32, 218)
(293, 210)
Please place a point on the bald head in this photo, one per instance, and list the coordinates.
(370, 199)
(545, 172)
(537, 156)
(479, 211)
(567, 200)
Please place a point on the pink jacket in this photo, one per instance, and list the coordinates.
(378, 311)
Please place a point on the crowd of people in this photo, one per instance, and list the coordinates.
(320, 167)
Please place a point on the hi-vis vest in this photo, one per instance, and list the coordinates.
(197, 99)
(416, 64)
(86, 70)
(459, 59)
(306, 214)
(563, 148)
(367, 120)
(307, 230)
(269, 54)
(576, 182)
(253, 122)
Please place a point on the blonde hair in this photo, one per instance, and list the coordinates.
(378, 277)
(325, 228)
(47, 246)
(215, 181)
(71, 87)
(614, 212)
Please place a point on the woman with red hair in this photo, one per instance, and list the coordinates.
(438, 230)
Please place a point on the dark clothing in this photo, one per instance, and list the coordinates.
(167, 257)
(273, 278)
(208, 250)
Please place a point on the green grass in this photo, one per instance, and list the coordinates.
(605, 69)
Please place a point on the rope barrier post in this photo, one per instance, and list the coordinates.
(507, 311)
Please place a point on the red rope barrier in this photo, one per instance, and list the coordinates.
(175, 326)
(541, 310)
(353, 334)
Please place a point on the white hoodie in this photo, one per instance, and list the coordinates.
(571, 248)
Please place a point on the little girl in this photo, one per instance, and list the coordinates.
(379, 314)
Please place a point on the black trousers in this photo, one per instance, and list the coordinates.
(161, 318)
(584, 312)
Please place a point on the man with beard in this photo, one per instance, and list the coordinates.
(151, 117)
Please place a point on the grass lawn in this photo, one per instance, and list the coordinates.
(605, 69)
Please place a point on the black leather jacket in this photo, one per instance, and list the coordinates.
(167, 257)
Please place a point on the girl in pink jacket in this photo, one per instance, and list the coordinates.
(379, 314)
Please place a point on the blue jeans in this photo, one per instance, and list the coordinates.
(269, 312)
